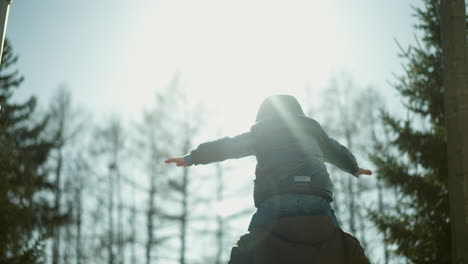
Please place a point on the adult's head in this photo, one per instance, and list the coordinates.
(299, 240)
(279, 106)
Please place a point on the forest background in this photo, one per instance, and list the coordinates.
(120, 88)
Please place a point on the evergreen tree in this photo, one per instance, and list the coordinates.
(415, 162)
(25, 214)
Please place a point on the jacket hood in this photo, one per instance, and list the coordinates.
(279, 106)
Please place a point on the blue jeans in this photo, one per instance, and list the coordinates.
(288, 205)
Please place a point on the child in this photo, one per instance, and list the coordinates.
(291, 178)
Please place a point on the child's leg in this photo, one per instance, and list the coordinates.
(288, 205)
(267, 211)
(315, 205)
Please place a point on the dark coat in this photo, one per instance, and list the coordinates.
(299, 240)
(284, 148)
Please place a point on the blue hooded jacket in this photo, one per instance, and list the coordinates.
(290, 149)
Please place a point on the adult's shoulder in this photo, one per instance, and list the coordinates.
(355, 252)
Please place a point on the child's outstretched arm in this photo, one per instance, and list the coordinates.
(338, 155)
(218, 150)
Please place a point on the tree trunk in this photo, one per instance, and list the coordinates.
(110, 234)
(183, 224)
(58, 193)
(79, 214)
(219, 218)
(454, 46)
(184, 216)
(67, 253)
(150, 216)
(351, 192)
(133, 233)
(382, 212)
(120, 229)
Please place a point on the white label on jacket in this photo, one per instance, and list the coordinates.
(302, 178)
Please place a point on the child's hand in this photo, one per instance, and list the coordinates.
(180, 162)
(362, 171)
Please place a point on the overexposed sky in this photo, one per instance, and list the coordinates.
(230, 54)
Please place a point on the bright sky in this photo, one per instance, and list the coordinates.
(115, 54)
(230, 54)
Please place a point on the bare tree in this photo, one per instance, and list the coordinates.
(371, 110)
(59, 113)
(112, 141)
(151, 144)
(341, 122)
(185, 126)
(65, 123)
(347, 117)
